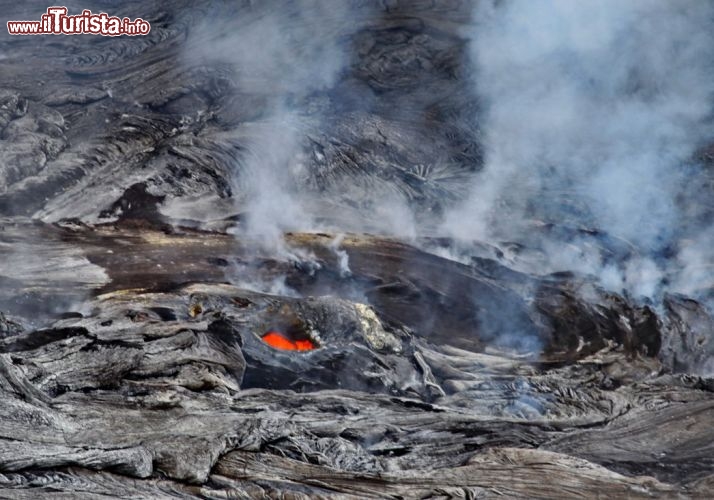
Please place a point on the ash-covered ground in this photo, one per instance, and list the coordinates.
(359, 249)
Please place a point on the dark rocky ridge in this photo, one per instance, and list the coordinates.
(130, 358)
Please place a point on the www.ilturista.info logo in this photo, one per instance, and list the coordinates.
(57, 22)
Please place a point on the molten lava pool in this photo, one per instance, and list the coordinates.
(277, 340)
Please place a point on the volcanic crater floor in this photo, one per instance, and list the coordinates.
(168, 387)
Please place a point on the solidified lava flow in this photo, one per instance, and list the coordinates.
(359, 249)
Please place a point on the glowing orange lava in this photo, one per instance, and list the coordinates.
(278, 341)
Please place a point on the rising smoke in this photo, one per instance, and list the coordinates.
(284, 52)
(593, 111)
(591, 114)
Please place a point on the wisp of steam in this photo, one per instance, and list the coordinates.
(284, 53)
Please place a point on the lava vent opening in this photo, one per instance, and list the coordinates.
(290, 341)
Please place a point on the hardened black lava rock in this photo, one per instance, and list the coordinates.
(134, 360)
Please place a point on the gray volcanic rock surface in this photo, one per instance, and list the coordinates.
(135, 288)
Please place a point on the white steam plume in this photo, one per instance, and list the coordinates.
(282, 52)
(592, 111)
